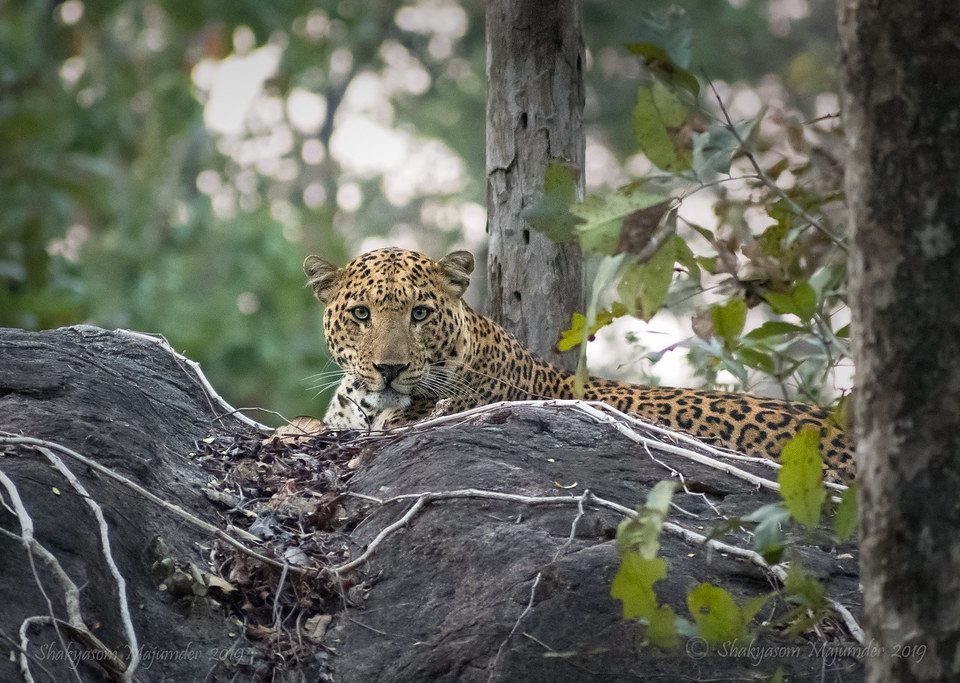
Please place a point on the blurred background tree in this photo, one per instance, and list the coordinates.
(166, 165)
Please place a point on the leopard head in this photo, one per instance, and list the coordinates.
(395, 320)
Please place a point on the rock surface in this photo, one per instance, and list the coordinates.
(448, 597)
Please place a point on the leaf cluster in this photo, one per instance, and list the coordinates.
(766, 283)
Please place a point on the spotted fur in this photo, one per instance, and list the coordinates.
(456, 354)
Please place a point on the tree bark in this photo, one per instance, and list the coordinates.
(534, 116)
(902, 112)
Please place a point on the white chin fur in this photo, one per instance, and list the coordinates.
(388, 398)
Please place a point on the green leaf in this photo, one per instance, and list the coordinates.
(638, 540)
(633, 584)
(801, 301)
(845, 523)
(656, 59)
(714, 149)
(756, 359)
(753, 606)
(765, 512)
(804, 587)
(609, 271)
(641, 534)
(644, 286)
(773, 328)
(841, 412)
(658, 500)
(843, 332)
(686, 258)
(662, 628)
(551, 213)
(708, 263)
(702, 231)
(574, 335)
(716, 614)
(600, 217)
(657, 120)
(801, 477)
(768, 536)
(735, 368)
(728, 321)
(671, 31)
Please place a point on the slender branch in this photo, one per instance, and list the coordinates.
(768, 181)
(371, 548)
(516, 624)
(16, 645)
(71, 594)
(574, 524)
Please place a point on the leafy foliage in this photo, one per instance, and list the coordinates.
(801, 477)
(717, 618)
(103, 140)
(638, 541)
(772, 254)
(845, 521)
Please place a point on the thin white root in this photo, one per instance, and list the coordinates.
(607, 414)
(421, 499)
(516, 625)
(124, 606)
(71, 594)
(204, 382)
(6, 438)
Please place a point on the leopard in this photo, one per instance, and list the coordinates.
(397, 325)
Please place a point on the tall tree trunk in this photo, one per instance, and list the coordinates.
(900, 64)
(534, 115)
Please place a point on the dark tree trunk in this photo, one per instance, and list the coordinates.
(902, 112)
(534, 116)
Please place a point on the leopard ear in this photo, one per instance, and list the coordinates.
(322, 276)
(457, 267)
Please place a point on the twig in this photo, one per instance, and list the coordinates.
(410, 514)
(573, 525)
(768, 181)
(71, 594)
(109, 659)
(14, 644)
(516, 625)
(276, 597)
(849, 620)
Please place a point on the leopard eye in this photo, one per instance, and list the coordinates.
(419, 314)
(360, 312)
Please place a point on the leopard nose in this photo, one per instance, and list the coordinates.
(391, 372)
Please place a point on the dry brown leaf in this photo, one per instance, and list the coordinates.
(316, 626)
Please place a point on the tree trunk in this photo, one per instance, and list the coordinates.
(902, 111)
(534, 116)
